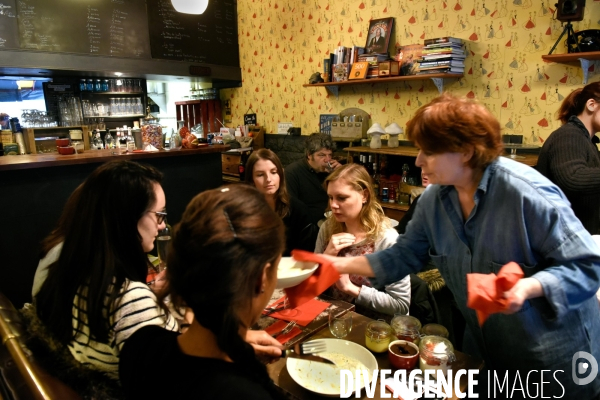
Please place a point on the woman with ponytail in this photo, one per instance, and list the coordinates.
(223, 265)
(569, 157)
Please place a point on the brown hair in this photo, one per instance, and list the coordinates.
(574, 103)
(282, 198)
(372, 217)
(451, 124)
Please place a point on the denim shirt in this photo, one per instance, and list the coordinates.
(520, 216)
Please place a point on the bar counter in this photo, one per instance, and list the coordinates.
(34, 189)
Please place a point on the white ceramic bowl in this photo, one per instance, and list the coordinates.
(290, 274)
(324, 378)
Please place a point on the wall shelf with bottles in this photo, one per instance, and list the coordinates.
(439, 80)
(584, 58)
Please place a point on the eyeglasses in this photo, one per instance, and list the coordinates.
(160, 216)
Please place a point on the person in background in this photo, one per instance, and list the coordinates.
(231, 240)
(481, 212)
(89, 289)
(305, 176)
(569, 157)
(358, 226)
(265, 172)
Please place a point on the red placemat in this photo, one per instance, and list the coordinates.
(278, 326)
(303, 314)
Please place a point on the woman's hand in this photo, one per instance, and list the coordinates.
(338, 242)
(345, 285)
(159, 282)
(526, 288)
(264, 344)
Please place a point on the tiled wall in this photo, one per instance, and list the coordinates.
(283, 42)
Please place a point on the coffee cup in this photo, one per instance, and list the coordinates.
(403, 354)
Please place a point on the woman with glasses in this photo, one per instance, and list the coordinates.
(89, 289)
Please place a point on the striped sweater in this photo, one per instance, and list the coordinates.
(135, 308)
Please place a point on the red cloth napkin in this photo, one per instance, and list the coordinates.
(485, 291)
(303, 314)
(325, 276)
(278, 326)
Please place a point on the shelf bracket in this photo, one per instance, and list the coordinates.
(334, 90)
(439, 84)
(585, 66)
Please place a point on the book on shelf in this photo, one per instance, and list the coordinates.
(373, 72)
(444, 45)
(408, 56)
(441, 57)
(340, 72)
(441, 63)
(445, 50)
(326, 70)
(373, 57)
(441, 70)
(443, 39)
(359, 70)
(355, 53)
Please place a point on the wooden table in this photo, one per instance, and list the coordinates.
(278, 371)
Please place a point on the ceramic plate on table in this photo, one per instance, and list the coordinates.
(324, 378)
(290, 273)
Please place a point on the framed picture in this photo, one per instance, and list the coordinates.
(378, 36)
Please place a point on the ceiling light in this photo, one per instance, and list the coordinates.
(118, 73)
(25, 84)
(190, 6)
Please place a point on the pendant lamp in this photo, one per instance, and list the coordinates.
(190, 6)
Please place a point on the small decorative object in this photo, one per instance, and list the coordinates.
(389, 68)
(375, 131)
(393, 130)
(378, 36)
(315, 78)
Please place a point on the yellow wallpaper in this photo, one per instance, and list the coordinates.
(282, 42)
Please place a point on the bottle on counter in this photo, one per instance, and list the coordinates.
(109, 141)
(129, 140)
(403, 188)
(175, 141)
(97, 141)
(121, 140)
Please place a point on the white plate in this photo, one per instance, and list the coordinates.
(290, 274)
(324, 378)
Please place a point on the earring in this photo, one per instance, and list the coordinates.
(262, 290)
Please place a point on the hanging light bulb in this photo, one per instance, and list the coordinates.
(190, 6)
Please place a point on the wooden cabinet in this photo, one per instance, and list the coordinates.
(41, 140)
(230, 163)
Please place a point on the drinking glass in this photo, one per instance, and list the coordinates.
(288, 311)
(340, 325)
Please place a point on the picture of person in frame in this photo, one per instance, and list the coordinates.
(377, 42)
(378, 35)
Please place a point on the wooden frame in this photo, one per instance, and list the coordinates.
(379, 34)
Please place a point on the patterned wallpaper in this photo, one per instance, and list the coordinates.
(282, 42)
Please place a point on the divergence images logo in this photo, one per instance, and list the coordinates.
(583, 367)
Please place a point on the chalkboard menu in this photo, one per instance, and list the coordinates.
(207, 38)
(9, 38)
(97, 27)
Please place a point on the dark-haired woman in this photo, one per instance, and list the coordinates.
(232, 241)
(569, 157)
(265, 172)
(89, 289)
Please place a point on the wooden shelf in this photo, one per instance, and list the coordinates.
(584, 59)
(395, 206)
(438, 81)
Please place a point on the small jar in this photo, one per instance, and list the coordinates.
(436, 353)
(406, 328)
(378, 336)
(435, 330)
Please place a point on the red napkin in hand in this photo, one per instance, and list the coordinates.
(278, 326)
(303, 314)
(325, 276)
(486, 291)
